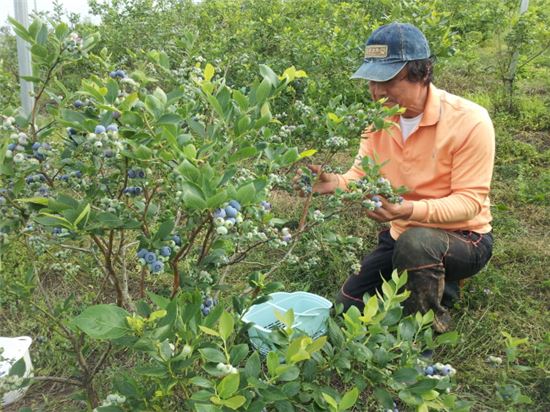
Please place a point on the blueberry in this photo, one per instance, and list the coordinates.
(116, 115)
(429, 371)
(177, 240)
(230, 211)
(71, 131)
(287, 238)
(205, 311)
(140, 174)
(39, 156)
(120, 73)
(29, 180)
(265, 205)
(446, 370)
(56, 230)
(78, 174)
(157, 266)
(131, 174)
(142, 252)
(219, 213)
(137, 191)
(99, 129)
(208, 302)
(108, 153)
(112, 128)
(376, 199)
(236, 205)
(78, 104)
(11, 146)
(150, 257)
(165, 251)
(113, 74)
(231, 220)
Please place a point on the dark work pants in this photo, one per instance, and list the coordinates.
(433, 259)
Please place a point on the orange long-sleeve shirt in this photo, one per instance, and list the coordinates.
(446, 164)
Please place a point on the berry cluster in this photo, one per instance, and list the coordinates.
(336, 143)
(136, 174)
(35, 178)
(104, 140)
(66, 177)
(118, 74)
(438, 370)
(154, 259)
(226, 369)
(369, 193)
(132, 191)
(207, 305)
(20, 144)
(227, 217)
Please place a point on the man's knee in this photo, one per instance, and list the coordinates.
(419, 246)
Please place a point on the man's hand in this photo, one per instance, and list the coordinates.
(391, 211)
(324, 182)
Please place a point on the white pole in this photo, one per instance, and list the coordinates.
(24, 58)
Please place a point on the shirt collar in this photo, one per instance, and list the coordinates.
(432, 108)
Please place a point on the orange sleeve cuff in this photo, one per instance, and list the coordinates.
(420, 211)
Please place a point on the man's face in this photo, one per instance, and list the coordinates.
(402, 92)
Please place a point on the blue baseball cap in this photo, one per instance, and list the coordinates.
(388, 50)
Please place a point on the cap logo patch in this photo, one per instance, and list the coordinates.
(377, 51)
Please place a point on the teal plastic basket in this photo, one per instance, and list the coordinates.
(311, 313)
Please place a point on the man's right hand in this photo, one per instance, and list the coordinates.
(324, 182)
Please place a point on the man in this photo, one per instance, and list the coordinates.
(443, 152)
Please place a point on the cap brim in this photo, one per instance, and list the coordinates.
(378, 71)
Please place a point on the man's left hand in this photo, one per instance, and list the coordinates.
(391, 211)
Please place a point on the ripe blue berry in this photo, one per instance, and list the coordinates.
(265, 205)
(35, 146)
(157, 266)
(78, 104)
(99, 129)
(205, 310)
(165, 251)
(112, 128)
(236, 205)
(208, 302)
(219, 213)
(429, 371)
(131, 174)
(150, 257)
(120, 73)
(177, 240)
(142, 252)
(113, 75)
(140, 174)
(230, 211)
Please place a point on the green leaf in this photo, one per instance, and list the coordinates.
(18, 368)
(330, 400)
(307, 153)
(235, 402)
(83, 215)
(238, 353)
(242, 154)
(154, 106)
(229, 385)
(103, 322)
(423, 386)
(246, 194)
(226, 325)
(252, 367)
(35, 200)
(209, 71)
(216, 105)
(349, 399)
(272, 363)
(164, 229)
(201, 382)
(262, 91)
(449, 338)
(212, 355)
(405, 375)
(384, 398)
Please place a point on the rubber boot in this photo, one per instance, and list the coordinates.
(427, 287)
